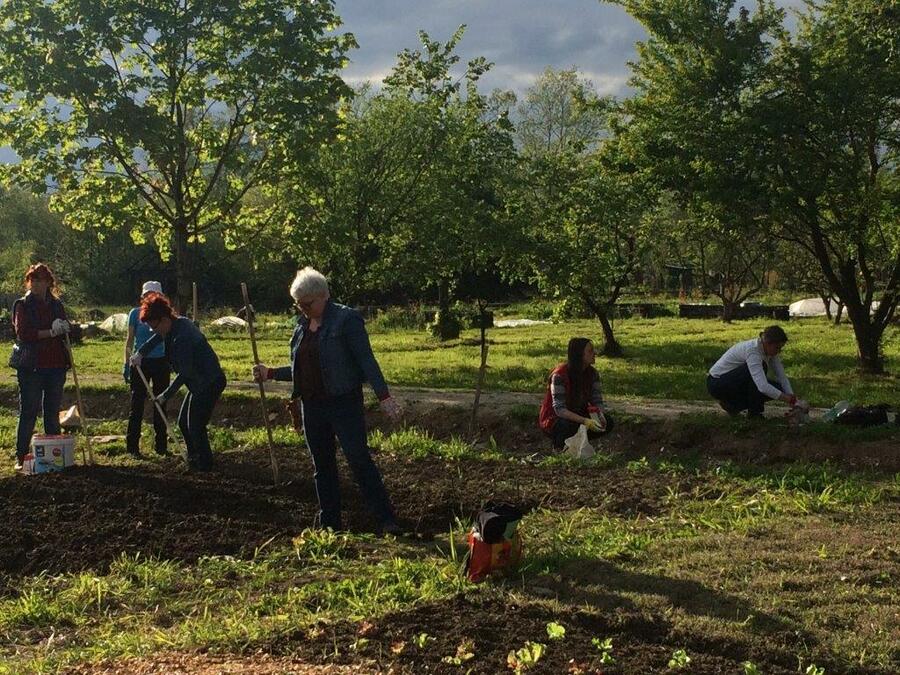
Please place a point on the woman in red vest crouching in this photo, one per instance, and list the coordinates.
(573, 393)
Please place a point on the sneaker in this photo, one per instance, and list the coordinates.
(136, 454)
(19, 466)
(163, 452)
(733, 412)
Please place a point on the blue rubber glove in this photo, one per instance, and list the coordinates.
(126, 373)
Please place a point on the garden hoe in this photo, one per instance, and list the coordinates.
(262, 390)
(84, 429)
(162, 414)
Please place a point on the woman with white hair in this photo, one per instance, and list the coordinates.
(331, 357)
(157, 371)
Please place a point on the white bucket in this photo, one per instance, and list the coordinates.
(49, 453)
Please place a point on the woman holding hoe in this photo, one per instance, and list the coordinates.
(156, 369)
(330, 359)
(197, 366)
(739, 379)
(40, 356)
(573, 395)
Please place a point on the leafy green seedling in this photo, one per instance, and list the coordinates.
(556, 631)
(464, 652)
(813, 669)
(422, 640)
(680, 660)
(750, 668)
(522, 659)
(605, 647)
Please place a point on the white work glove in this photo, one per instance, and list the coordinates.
(59, 326)
(391, 408)
(135, 360)
(260, 372)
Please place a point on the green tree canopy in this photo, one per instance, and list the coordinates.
(159, 117)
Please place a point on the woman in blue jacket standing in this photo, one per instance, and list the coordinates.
(197, 367)
(330, 359)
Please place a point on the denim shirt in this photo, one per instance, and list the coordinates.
(345, 353)
(190, 355)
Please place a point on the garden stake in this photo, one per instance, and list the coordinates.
(195, 317)
(162, 413)
(262, 389)
(84, 429)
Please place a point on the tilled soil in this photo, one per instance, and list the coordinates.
(86, 517)
(488, 628)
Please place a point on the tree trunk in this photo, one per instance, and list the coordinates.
(447, 325)
(183, 268)
(868, 341)
(827, 302)
(839, 313)
(729, 310)
(611, 346)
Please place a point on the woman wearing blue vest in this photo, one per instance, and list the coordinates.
(156, 369)
(330, 359)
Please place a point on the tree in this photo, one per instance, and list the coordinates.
(583, 230)
(561, 110)
(161, 117)
(693, 126)
(407, 195)
(832, 156)
(580, 218)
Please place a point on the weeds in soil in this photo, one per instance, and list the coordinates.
(144, 605)
(419, 444)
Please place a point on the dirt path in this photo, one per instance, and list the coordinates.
(502, 401)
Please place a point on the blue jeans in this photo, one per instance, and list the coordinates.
(196, 411)
(41, 388)
(343, 416)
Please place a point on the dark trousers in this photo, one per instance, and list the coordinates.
(41, 388)
(563, 429)
(344, 417)
(196, 411)
(157, 372)
(737, 391)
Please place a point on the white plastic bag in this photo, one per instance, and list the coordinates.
(578, 445)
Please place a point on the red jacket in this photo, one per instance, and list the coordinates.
(547, 417)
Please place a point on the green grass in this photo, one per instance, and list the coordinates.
(665, 358)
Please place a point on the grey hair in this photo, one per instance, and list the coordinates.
(309, 282)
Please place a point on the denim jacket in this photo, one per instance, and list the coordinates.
(190, 355)
(345, 353)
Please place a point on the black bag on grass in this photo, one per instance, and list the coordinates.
(497, 521)
(864, 415)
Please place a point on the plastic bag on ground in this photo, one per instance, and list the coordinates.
(578, 445)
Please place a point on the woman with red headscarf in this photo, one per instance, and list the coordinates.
(40, 356)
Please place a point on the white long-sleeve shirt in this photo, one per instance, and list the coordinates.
(750, 352)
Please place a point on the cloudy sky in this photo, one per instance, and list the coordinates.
(521, 37)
